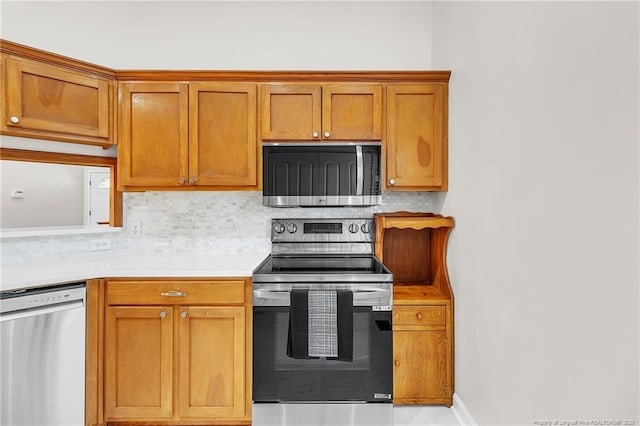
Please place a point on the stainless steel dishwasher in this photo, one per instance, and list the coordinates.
(42, 348)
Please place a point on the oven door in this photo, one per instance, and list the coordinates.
(278, 377)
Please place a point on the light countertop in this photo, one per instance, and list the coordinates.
(128, 265)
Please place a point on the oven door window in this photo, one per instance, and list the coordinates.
(278, 377)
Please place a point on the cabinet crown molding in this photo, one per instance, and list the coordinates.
(286, 76)
(382, 76)
(27, 52)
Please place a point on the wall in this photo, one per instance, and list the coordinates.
(237, 35)
(53, 194)
(544, 139)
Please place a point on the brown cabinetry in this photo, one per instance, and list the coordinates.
(187, 135)
(321, 112)
(49, 101)
(200, 129)
(416, 144)
(413, 247)
(177, 351)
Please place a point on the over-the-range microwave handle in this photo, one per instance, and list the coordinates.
(359, 170)
(368, 297)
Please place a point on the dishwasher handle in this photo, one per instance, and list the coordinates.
(44, 310)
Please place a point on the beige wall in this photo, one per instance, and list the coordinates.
(544, 187)
(260, 35)
(53, 194)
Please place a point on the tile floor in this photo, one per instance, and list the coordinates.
(351, 415)
(424, 416)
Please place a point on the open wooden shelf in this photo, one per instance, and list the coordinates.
(414, 248)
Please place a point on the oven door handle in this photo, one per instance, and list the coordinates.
(369, 297)
(269, 294)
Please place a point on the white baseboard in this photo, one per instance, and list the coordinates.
(463, 415)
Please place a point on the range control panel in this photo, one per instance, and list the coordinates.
(322, 230)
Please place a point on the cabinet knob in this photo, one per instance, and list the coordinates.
(327, 134)
(184, 314)
(15, 120)
(419, 315)
(182, 181)
(163, 314)
(192, 180)
(396, 363)
(392, 181)
(315, 134)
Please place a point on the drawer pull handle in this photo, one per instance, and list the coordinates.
(419, 315)
(174, 293)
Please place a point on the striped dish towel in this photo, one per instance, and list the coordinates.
(323, 323)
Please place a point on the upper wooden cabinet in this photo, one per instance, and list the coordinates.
(222, 134)
(200, 129)
(321, 112)
(416, 145)
(153, 134)
(199, 134)
(48, 101)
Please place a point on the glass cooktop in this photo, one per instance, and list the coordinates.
(321, 268)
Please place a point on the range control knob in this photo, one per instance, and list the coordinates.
(365, 228)
(292, 228)
(353, 228)
(278, 228)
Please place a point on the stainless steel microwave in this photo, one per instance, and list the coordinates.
(321, 174)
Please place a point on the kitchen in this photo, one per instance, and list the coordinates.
(495, 192)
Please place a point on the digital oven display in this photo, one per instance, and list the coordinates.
(322, 228)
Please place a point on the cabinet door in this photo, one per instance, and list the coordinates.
(222, 136)
(352, 112)
(416, 137)
(290, 112)
(421, 374)
(153, 134)
(212, 362)
(138, 362)
(46, 101)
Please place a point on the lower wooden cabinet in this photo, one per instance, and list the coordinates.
(172, 354)
(138, 362)
(422, 355)
(212, 362)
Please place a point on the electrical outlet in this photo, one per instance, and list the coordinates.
(101, 244)
(135, 229)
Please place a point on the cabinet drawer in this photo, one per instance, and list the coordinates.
(221, 292)
(419, 315)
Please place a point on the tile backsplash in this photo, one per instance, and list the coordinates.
(213, 222)
(202, 222)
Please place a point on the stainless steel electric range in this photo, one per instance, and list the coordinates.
(322, 321)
